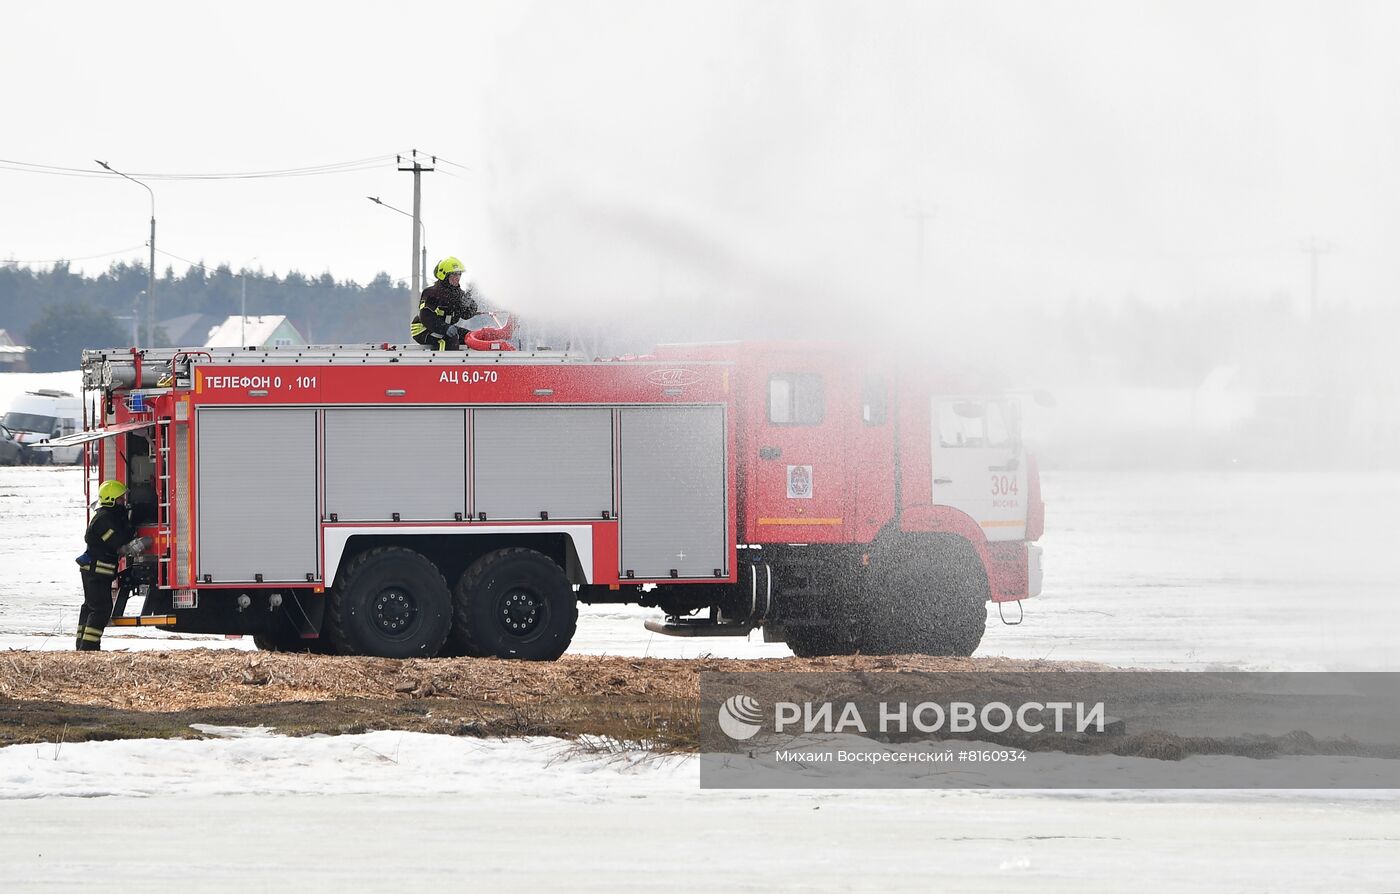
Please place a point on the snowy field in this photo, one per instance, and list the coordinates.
(1179, 570)
(399, 812)
(1184, 570)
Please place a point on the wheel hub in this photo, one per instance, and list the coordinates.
(521, 612)
(394, 610)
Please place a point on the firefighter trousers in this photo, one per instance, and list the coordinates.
(96, 610)
(428, 340)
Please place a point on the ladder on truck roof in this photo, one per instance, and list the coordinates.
(414, 355)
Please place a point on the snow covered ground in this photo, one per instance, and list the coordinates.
(1184, 570)
(392, 811)
(1181, 570)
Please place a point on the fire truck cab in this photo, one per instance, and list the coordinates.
(388, 500)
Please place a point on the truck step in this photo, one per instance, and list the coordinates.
(697, 627)
(143, 621)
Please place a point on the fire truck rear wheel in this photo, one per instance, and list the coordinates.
(514, 603)
(392, 603)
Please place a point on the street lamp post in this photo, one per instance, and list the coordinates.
(421, 281)
(243, 308)
(151, 288)
(134, 318)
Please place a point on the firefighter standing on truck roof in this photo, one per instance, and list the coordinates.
(109, 536)
(443, 309)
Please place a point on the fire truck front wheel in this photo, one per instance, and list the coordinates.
(820, 640)
(392, 603)
(513, 603)
(930, 598)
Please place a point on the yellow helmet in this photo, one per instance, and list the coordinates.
(446, 267)
(110, 492)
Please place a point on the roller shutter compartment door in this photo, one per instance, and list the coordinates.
(257, 495)
(526, 461)
(406, 460)
(673, 502)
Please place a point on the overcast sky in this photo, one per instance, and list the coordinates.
(717, 154)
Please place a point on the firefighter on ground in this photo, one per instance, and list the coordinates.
(443, 309)
(109, 536)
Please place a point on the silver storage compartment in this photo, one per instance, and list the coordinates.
(673, 504)
(406, 460)
(526, 461)
(257, 495)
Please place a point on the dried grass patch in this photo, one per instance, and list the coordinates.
(209, 678)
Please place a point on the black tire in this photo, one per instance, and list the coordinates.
(277, 642)
(303, 646)
(391, 602)
(513, 603)
(291, 641)
(930, 597)
(818, 640)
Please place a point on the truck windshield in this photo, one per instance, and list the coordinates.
(29, 422)
(976, 423)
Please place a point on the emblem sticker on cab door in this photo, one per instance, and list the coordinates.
(800, 482)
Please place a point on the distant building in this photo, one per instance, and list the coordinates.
(12, 356)
(254, 332)
(189, 330)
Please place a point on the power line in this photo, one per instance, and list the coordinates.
(342, 167)
(105, 254)
(24, 167)
(188, 261)
(447, 161)
(454, 164)
(205, 267)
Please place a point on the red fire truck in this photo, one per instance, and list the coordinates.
(392, 501)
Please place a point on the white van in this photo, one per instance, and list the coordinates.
(35, 416)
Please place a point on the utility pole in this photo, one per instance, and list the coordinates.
(416, 164)
(151, 288)
(1314, 248)
(919, 215)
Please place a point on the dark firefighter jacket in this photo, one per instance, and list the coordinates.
(108, 532)
(440, 306)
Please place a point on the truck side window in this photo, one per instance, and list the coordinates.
(795, 399)
(872, 400)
